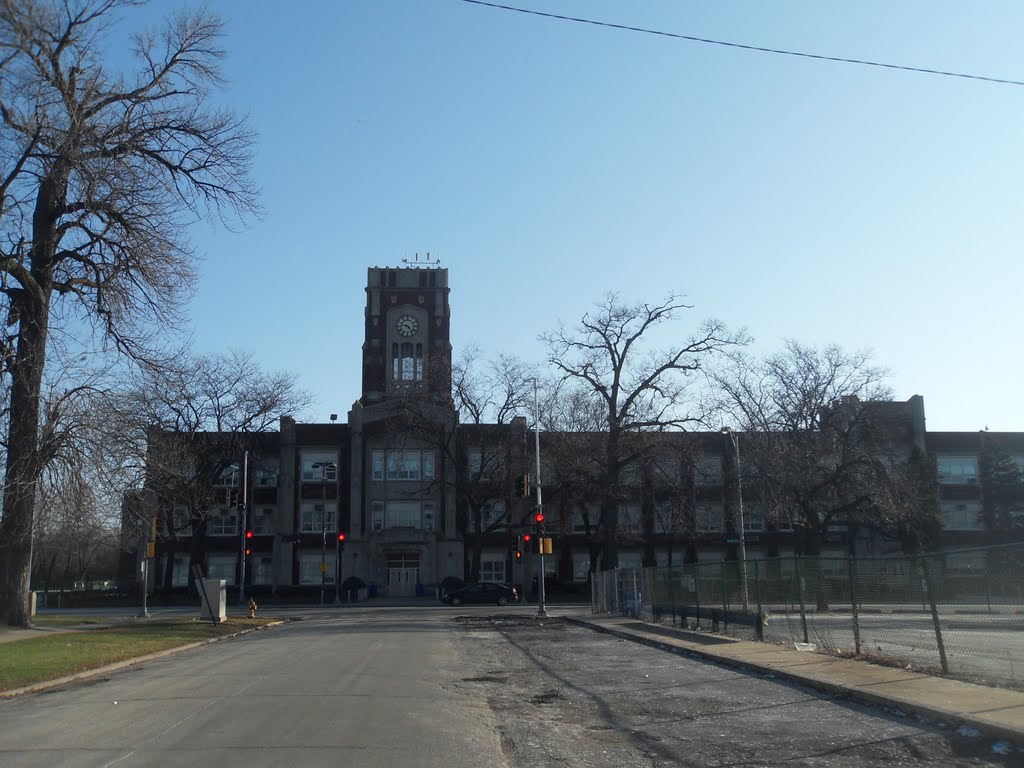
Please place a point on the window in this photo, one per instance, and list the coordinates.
(963, 515)
(222, 522)
(666, 517)
(222, 567)
(181, 522)
(403, 465)
(593, 512)
(753, 518)
(179, 571)
(708, 470)
(406, 362)
(228, 477)
(709, 518)
(267, 474)
(965, 563)
(491, 513)
(666, 466)
(310, 568)
(263, 520)
(316, 517)
(580, 566)
(484, 463)
(630, 559)
(402, 514)
(492, 568)
(1018, 459)
(262, 570)
(317, 466)
(959, 470)
(629, 517)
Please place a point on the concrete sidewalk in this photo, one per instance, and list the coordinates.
(995, 711)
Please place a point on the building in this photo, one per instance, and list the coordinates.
(421, 498)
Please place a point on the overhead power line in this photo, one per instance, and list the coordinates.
(779, 51)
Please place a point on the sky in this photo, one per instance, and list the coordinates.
(546, 162)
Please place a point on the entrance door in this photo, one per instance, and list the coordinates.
(403, 573)
(402, 581)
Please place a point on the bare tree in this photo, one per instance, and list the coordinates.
(180, 431)
(821, 447)
(473, 434)
(637, 390)
(100, 174)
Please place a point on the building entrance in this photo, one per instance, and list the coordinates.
(403, 573)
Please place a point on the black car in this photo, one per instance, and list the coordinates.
(484, 592)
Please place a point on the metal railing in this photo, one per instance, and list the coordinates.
(957, 612)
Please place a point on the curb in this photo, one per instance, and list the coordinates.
(85, 674)
(924, 711)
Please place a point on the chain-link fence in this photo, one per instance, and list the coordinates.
(958, 612)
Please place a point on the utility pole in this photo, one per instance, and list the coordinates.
(540, 505)
(740, 522)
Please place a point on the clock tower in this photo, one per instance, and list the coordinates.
(407, 346)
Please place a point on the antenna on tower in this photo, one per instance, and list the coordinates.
(425, 261)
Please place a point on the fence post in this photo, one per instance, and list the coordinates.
(852, 566)
(935, 614)
(988, 586)
(759, 618)
(800, 584)
(696, 591)
(725, 598)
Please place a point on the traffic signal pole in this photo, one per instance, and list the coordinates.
(540, 505)
(244, 509)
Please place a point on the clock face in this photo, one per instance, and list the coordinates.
(407, 325)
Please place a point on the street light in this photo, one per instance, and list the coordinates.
(323, 466)
(740, 522)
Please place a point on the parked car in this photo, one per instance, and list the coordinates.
(483, 592)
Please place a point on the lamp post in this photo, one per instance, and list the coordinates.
(323, 466)
(339, 543)
(243, 509)
(740, 522)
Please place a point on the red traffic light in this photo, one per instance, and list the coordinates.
(248, 535)
(539, 517)
(526, 537)
(341, 537)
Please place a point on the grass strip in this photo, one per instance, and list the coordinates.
(51, 656)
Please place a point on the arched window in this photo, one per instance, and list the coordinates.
(407, 362)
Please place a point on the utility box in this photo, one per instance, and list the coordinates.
(213, 592)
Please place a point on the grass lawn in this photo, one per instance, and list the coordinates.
(49, 656)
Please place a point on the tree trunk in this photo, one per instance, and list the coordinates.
(31, 306)
(22, 461)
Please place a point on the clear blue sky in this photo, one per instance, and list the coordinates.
(546, 162)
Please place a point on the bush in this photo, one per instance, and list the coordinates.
(352, 584)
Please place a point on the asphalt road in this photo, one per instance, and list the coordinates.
(422, 687)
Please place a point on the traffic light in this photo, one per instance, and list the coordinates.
(341, 542)
(248, 534)
(523, 486)
(539, 518)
